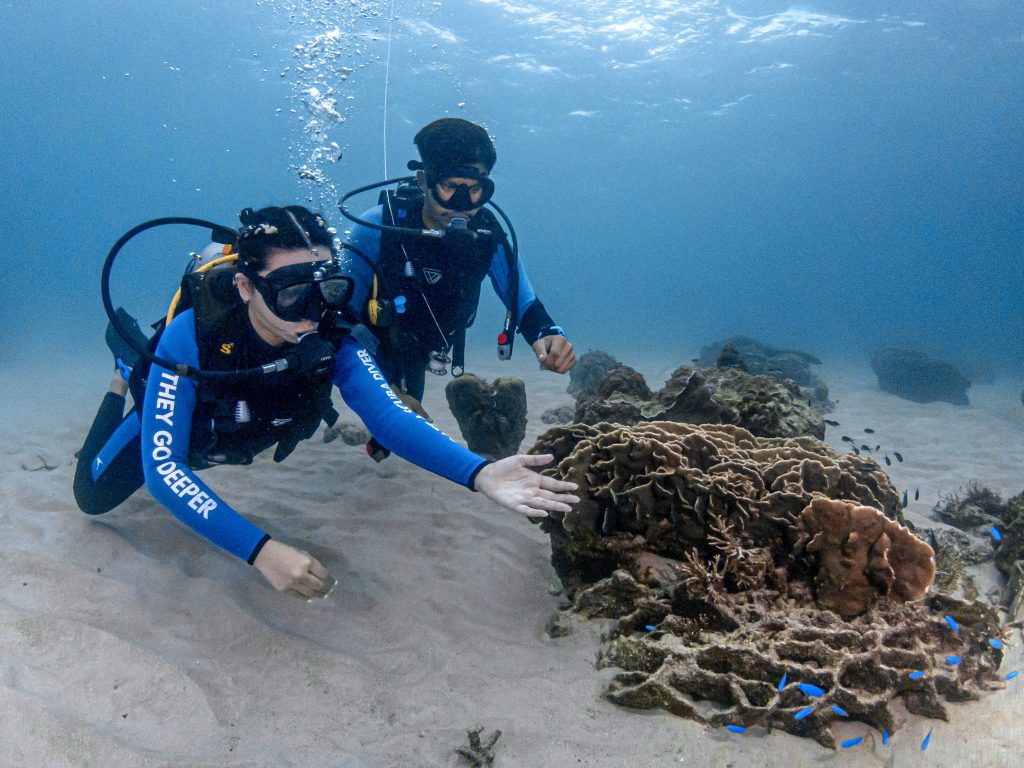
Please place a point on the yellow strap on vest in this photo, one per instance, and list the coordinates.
(373, 306)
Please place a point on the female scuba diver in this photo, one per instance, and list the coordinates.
(206, 400)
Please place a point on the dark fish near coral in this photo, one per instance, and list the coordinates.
(888, 461)
(865, 447)
(869, 430)
(867, 468)
(855, 449)
(904, 500)
(898, 455)
(877, 447)
(846, 439)
(832, 423)
(917, 494)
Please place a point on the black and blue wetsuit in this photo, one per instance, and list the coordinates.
(450, 283)
(120, 454)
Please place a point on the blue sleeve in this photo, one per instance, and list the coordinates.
(367, 241)
(501, 279)
(394, 425)
(166, 430)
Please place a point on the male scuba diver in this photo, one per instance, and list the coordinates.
(422, 253)
(247, 360)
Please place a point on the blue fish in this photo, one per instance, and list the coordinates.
(811, 690)
(840, 711)
(736, 728)
(885, 738)
(852, 742)
(1011, 675)
(803, 713)
(953, 659)
(782, 682)
(649, 628)
(995, 643)
(952, 623)
(916, 675)
(924, 744)
(996, 534)
(904, 499)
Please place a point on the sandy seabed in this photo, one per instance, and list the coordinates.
(126, 640)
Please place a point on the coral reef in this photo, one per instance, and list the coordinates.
(563, 414)
(752, 356)
(589, 371)
(914, 376)
(765, 406)
(982, 514)
(491, 417)
(862, 555)
(730, 561)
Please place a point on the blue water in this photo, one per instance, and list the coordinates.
(835, 176)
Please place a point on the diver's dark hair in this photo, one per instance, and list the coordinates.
(278, 229)
(452, 141)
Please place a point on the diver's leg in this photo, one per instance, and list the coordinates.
(110, 463)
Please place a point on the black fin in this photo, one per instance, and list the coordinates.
(121, 348)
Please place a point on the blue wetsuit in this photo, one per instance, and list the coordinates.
(367, 241)
(155, 447)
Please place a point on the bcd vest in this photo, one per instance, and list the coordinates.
(237, 418)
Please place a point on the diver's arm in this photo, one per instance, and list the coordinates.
(534, 320)
(511, 482)
(553, 349)
(167, 413)
(393, 424)
(361, 257)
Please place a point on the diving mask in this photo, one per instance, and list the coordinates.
(460, 196)
(304, 291)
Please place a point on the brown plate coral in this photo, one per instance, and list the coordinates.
(732, 562)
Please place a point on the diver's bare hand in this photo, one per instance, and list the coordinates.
(555, 353)
(292, 570)
(512, 484)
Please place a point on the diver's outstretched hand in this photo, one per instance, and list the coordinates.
(512, 484)
(291, 570)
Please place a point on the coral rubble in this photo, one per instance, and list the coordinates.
(765, 406)
(730, 561)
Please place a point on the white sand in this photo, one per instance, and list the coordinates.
(126, 640)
